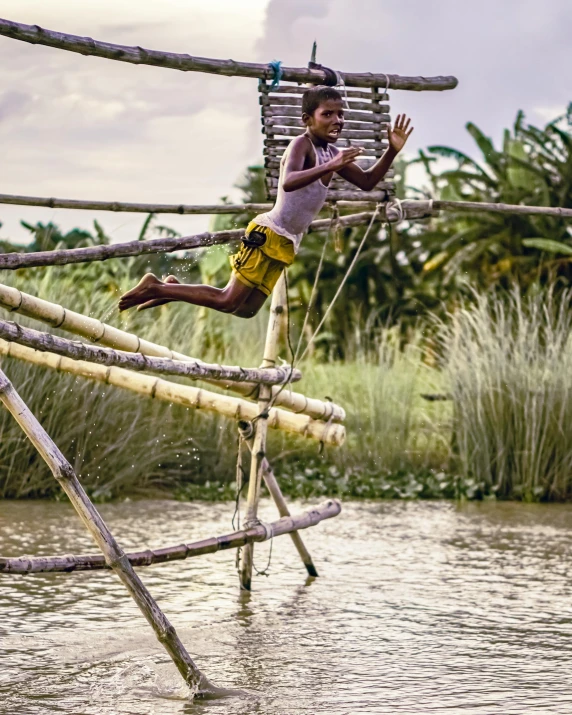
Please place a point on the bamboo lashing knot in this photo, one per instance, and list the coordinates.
(394, 206)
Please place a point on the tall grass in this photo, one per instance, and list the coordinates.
(509, 369)
(120, 443)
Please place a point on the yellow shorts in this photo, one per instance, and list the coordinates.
(260, 267)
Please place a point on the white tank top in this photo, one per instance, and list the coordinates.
(295, 210)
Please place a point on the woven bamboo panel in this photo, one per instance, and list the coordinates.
(366, 124)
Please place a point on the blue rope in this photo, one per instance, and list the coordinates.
(277, 67)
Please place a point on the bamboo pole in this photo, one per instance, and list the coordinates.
(94, 562)
(245, 429)
(46, 342)
(187, 395)
(478, 207)
(55, 315)
(13, 261)
(230, 68)
(258, 449)
(122, 206)
(114, 556)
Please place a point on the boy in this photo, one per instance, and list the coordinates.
(273, 238)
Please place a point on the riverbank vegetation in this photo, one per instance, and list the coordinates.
(472, 309)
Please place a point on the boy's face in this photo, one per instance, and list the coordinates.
(327, 122)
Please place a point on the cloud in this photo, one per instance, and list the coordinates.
(14, 103)
(507, 55)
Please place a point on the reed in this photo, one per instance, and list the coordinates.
(509, 370)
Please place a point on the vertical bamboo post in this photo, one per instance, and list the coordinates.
(277, 311)
(114, 555)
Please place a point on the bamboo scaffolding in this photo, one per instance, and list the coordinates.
(13, 261)
(57, 316)
(258, 449)
(93, 562)
(114, 556)
(185, 63)
(245, 429)
(46, 342)
(187, 395)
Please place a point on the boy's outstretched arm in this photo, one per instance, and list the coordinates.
(296, 177)
(367, 179)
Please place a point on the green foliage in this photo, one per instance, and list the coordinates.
(533, 167)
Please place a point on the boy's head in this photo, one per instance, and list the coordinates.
(322, 112)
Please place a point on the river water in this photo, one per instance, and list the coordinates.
(421, 607)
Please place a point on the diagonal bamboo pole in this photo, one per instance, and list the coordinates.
(187, 395)
(258, 450)
(46, 342)
(15, 301)
(91, 562)
(138, 55)
(114, 556)
(276, 494)
(65, 256)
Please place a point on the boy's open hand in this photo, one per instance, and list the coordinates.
(400, 133)
(345, 157)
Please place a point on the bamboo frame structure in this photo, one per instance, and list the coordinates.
(277, 311)
(69, 563)
(114, 556)
(15, 301)
(46, 342)
(138, 55)
(187, 395)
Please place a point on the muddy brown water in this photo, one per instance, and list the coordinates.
(421, 607)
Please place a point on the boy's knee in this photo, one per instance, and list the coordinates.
(243, 312)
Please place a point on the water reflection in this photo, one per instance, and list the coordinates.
(420, 607)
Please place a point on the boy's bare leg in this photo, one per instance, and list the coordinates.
(225, 300)
(252, 304)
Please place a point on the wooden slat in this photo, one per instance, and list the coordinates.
(349, 115)
(280, 121)
(360, 196)
(347, 134)
(278, 145)
(295, 89)
(266, 101)
(273, 170)
(272, 182)
(364, 162)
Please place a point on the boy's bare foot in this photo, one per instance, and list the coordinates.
(158, 301)
(144, 291)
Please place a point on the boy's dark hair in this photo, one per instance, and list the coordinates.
(313, 97)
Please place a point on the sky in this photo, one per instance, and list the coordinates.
(88, 128)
